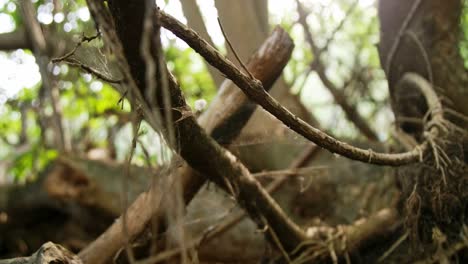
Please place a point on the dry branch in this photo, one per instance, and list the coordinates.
(14, 40)
(254, 90)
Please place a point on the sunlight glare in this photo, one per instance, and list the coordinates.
(19, 70)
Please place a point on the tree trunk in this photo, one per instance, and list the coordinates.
(423, 37)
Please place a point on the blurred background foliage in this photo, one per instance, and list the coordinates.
(93, 118)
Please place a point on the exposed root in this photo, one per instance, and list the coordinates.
(336, 244)
(445, 251)
(434, 191)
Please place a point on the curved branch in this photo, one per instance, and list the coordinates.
(254, 90)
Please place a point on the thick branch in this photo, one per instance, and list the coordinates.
(274, 52)
(14, 40)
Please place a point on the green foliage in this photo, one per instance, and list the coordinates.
(10, 125)
(28, 164)
(191, 73)
(464, 41)
(88, 105)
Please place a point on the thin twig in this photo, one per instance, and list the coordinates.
(401, 32)
(393, 247)
(289, 172)
(276, 240)
(233, 50)
(90, 70)
(73, 51)
(136, 127)
(164, 83)
(424, 55)
(338, 27)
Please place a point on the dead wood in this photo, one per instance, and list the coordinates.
(49, 253)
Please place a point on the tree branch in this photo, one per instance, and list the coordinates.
(14, 40)
(39, 47)
(254, 90)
